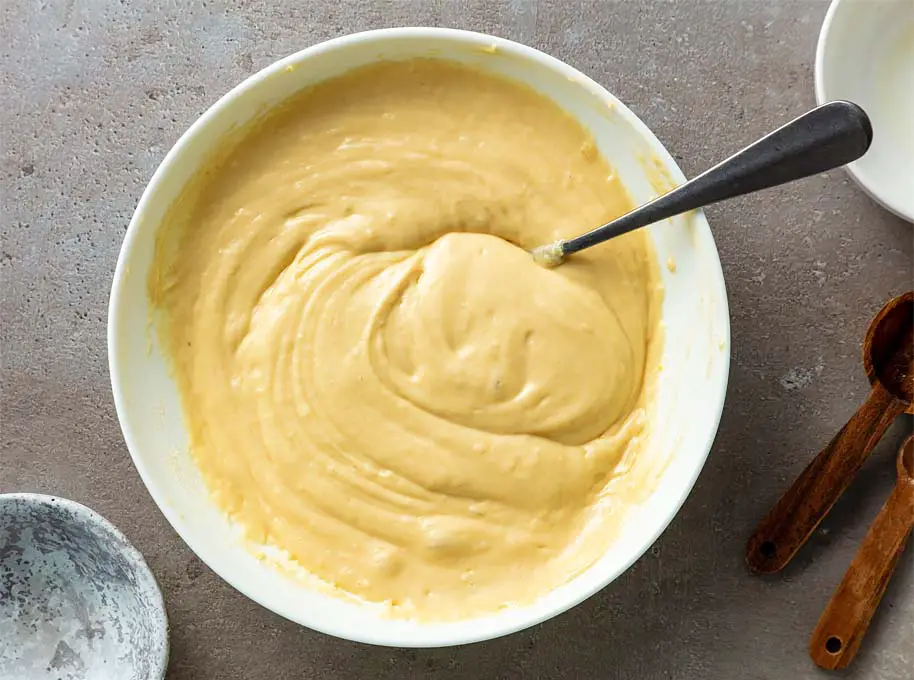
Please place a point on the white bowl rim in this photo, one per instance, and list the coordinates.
(134, 556)
(859, 175)
(537, 614)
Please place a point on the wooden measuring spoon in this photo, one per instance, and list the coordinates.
(887, 357)
(845, 620)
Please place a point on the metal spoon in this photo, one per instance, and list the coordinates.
(830, 135)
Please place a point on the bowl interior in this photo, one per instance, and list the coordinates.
(866, 55)
(77, 602)
(695, 361)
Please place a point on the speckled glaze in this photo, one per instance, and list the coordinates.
(77, 601)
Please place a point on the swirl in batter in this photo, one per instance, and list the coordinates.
(376, 376)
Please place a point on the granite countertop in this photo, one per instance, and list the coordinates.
(95, 93)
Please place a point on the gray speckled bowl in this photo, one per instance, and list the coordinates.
(77, 601)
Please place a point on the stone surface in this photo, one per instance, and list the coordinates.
(96, 92)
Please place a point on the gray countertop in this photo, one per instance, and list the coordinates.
(96, 92)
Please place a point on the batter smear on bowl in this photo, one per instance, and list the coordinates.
(376, 376)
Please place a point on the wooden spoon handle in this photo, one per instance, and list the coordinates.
(844, 622)
(796, 515)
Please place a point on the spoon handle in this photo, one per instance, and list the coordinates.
(830, 135)
(796, 515)
(845, 620)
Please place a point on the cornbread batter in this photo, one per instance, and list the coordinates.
(376, 376)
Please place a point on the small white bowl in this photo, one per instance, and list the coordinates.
(866, 55)
(695, 359)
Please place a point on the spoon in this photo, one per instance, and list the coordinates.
(887, 357)
(845, 620)
(828, 136)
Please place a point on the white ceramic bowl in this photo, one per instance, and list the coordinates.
(866, 55)
(695, 360)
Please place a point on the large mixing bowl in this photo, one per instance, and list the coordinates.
(691, 388)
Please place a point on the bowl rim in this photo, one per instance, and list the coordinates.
(134, 557)
(869, 186)
(435, 637)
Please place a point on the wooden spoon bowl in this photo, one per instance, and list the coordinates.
(888, 351)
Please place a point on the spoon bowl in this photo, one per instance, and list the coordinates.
(888, 351)
(906, 461)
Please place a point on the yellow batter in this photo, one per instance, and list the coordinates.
(376, 376)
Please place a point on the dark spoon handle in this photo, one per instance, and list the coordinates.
(829, 136)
